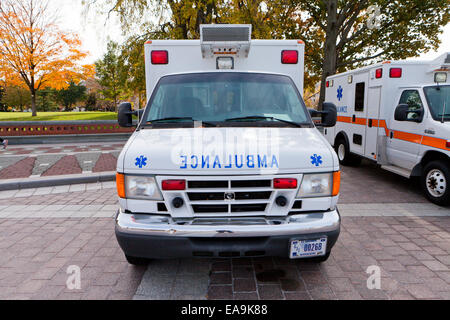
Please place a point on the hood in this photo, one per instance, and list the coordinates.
(221, 151)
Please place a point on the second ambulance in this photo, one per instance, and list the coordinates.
(226, 160)
(396, 113)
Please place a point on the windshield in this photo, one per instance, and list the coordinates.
(227, 97)
(438, 98)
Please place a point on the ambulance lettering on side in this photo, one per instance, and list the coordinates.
(226, 160)
(396, 113)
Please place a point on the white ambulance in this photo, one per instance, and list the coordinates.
(225, 160)
(396, 113)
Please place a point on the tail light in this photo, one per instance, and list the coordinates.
(289, 57)
(160, 57)
(285, 183)
(378, 73)
(447, 145)
(395, 72)
(174, 184)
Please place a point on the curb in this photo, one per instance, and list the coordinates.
(27, 183)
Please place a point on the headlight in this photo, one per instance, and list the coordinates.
(316, 185)
(141, 187)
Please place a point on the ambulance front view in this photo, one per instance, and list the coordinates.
(225, 160)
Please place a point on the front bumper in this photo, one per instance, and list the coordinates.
(155, 236)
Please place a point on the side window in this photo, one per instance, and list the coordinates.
(412, 99)
(359, 96)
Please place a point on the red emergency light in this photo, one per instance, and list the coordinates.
(289, 57)
(174, 184)
(395, 72)
(378, 73)
(160, 57)
(328, 84)
(285, 183)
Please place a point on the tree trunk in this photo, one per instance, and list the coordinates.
(329, 61)
(33, 103)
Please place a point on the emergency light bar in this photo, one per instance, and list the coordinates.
(225, 39)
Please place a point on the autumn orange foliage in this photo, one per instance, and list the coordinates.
(34, 52)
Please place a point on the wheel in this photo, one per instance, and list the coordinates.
(137, 261)
(435, 182)
(320, 259)
(343, 152)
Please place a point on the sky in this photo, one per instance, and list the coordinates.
(95, 30)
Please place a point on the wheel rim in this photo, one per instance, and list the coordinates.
(436, 183)
(341, 152)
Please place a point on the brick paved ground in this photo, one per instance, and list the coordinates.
(57, 159)
(412, 252)
(45, 230)
(106, 162)
(20, 169)
(36, 253)
(368, 184)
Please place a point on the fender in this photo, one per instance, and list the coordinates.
(427, 157)
(343, 134)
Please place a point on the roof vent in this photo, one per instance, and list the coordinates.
(225, 39)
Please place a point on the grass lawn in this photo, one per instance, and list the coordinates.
(57, 116)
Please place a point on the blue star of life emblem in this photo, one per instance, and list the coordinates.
(141, 161)
(339, 93)
(316, 160)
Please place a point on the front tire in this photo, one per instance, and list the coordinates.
(343, 152)
(435, 182)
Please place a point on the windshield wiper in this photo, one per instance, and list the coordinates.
(259, 118)
(443, 116)
(179, 119)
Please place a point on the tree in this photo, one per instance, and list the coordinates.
(17, 97)
(2, 95)
(46, 99)
(91, 101)
(338, 35)
(71, 95)
(109, 71)
(356, 32)
(33, 51)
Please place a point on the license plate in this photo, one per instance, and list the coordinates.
(308, 248)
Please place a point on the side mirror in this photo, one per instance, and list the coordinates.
(125, 114)
(402, 113)
(329, 114)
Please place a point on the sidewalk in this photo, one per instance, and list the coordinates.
(56, 161)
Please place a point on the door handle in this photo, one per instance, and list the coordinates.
(354, 118)
(429, 131)
(370, 123)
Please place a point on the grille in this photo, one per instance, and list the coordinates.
(232, 196)
(201, 196)
(248, 207)
(206, 208)
(207, 184)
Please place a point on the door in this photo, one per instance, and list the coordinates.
(405, 137)
(358, 118)
(373, 114)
